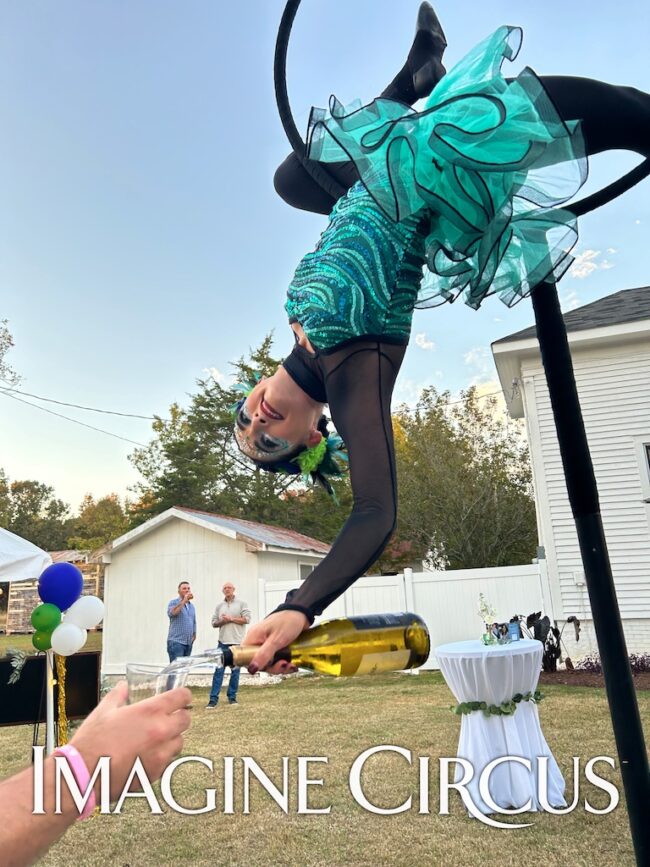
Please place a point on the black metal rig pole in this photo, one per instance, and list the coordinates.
(583, 496)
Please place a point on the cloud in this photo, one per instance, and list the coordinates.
(479, 359)
(217, 375)
(422, 341)
(569, 299)
(588, 262)
(478, 356)
(408, 391)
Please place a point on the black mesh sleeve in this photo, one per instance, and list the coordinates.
(359, 381)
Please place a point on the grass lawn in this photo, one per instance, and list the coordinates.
(24, 642)
(339, 719)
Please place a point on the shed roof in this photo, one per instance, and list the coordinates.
(277, 537)
(628, 305)
(258, 536)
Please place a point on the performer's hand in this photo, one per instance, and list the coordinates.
(274, 633)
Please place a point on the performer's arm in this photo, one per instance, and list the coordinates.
(359, 387)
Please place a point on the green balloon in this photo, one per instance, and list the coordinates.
(42, 640)
(46, 617)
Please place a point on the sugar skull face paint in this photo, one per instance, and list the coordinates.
(255, 439)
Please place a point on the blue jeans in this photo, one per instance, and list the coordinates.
(217, 681)
(176, 649)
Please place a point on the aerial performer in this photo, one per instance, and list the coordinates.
(468, 190)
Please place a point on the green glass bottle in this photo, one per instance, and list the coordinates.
(346, 646)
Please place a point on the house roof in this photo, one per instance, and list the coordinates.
(628, 305)
(69, 556)
(259, 536)
(618, 319)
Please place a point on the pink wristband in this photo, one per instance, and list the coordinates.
(81, 775)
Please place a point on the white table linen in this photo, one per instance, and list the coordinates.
(495, 674)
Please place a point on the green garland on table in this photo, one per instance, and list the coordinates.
(506, 708)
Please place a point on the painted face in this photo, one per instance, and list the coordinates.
(268, 427)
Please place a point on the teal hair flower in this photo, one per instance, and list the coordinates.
(244, 388)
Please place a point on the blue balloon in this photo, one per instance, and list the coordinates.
(61, 585)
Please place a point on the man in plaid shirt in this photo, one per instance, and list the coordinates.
(182, 623)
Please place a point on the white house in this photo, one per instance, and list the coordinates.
(145, 566)
(610, 346)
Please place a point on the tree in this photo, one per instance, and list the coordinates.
(193, 461)
(7, 375)
(465, 485)
(31, 510)
(100, 521)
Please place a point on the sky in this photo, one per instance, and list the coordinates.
(142, 245)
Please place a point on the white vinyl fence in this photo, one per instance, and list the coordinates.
(446, 601)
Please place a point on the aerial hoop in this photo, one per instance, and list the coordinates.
(331, 186)
(317, 171)
(611, 191)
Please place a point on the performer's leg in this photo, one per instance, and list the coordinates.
(417, 78)
(613, 117)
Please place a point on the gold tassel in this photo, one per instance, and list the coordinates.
(63, 719)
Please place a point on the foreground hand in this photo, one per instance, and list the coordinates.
(152, 729)
(274, 633)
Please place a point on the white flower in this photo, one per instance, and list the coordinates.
(485, 610)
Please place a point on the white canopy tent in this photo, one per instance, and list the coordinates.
(19, 559)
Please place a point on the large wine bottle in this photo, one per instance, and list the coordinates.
(369, 644)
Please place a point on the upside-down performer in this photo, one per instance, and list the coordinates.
(468, 190)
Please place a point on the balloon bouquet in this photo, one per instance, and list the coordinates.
(61, 623)
(62, 620)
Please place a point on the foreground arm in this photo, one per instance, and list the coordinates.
(152, 729)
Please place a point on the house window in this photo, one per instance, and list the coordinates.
(305, 569)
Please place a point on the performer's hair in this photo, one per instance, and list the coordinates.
(319, 461)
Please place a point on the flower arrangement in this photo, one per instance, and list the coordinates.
(487, 614)
(485, 610)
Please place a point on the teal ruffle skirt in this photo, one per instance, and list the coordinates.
(489, 162)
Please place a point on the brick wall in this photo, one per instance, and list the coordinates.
(23, 597)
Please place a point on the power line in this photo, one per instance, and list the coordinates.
(77, 405)
(101, 430)
(73, 420)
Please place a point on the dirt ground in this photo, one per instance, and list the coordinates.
(587, 678)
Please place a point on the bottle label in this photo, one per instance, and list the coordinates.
(376, 663)
(381, 621)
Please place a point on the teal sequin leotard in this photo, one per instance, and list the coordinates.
(363, 277)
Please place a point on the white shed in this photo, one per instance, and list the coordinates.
(145, 566)
(610, 346)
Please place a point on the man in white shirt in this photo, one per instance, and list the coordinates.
(230, 618)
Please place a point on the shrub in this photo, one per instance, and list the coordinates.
(639, 663)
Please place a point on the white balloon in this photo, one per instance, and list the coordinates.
(86, 612)
(68, 638)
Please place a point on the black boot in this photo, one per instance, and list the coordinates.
(423, 68)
